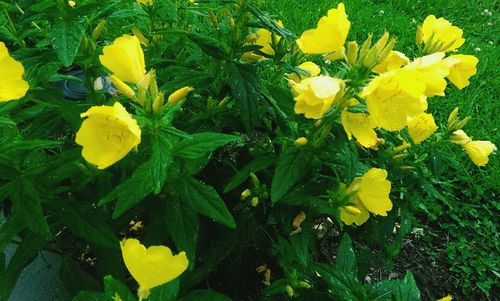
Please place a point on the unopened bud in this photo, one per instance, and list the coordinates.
(402, 147)
(96, 33)
(261, 268)
(352, 52)
(365, 47)
(301, 141)
(419, 35)
(267, 277)
(122, 87)
(246, 193)
(304, 284)
(158, 102)
(400, 156)
(179, 95)
(231, 22)
(453, 116)
(254, 179)
(382, 41)
(213, 19)
(297, 221)
(255, 201)
(289, 291)
(462, 123)
(142, 39)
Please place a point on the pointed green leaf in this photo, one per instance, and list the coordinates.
(202, 143)
(205, 200)
(292, 166)
(182, 225)
(66, 36)
(346, 259)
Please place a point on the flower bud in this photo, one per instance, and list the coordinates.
(352, 52)
(158, 102)
(144, 41)
(261, 268)
(179, 95)
(246, 193)
(301, 141)
(255, 201)
(289, 291)
(453, 116)
(419, 35)
(213, 19)
(304, 284)
(122, 87)
(96, 33)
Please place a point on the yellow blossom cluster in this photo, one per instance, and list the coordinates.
(109, 133)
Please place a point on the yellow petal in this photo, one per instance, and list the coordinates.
(264, 38)
(447, 298)
(421, 127)
(394, 96)
(432, 71)
(361, 126)
(179, 95)
(479, 151)
(462, 67)
(315, 95)
(125, 59)
(394, 60)
(347, 214)
(374, 190)
(441, 31)
(152, 266)
(460, 137)
(107, 135)
(12, 84)
(329, 35)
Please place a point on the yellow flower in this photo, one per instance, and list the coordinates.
(310, 67)
(440, 35)
(12, 84)
(462, 67)
(447, 298)
(355, 212)
(125, 59)
(265, 39)
(370, 193)
(393, 61)
(421, 127)
(329, 35)
(179, 94)
(479, 151)
(153, 266)
(359, 125)
(374, 189)
(107, 135)
(431, 70)
(315, 95)
(394, 96)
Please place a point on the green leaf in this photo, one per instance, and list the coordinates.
(202, 143)
(66, 36)
(25, 253)
(166, 292)
(346, 259)
(245, 88)
(205, 200)
(26, 204)
(148, 177)
(182, 225)
(74, 278)
(252, 167)
(205, 295)
(12, 225)
(210, 46)
(115, 287)
(88, 226)
(407, 289)
(91, 296)
(292, 166)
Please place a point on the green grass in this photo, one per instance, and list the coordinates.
(468, 217)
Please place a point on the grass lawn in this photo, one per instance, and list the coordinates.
(459, 251)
